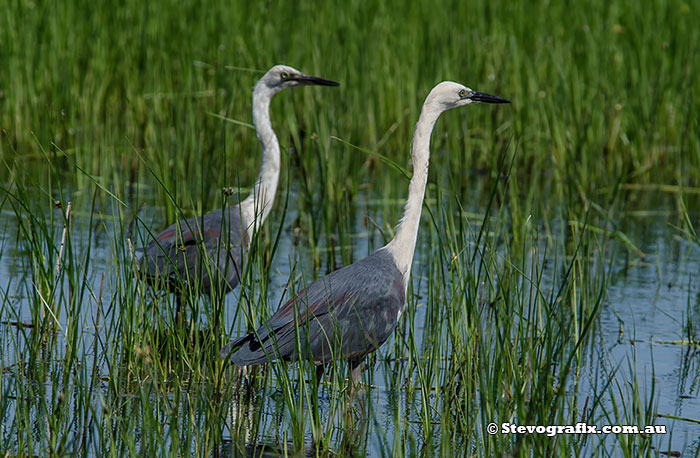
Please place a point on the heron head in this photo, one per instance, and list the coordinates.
(283, 76)
(449, 94)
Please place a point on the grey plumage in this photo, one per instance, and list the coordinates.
(209, 250)
(345, 315)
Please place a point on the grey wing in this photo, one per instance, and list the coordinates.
(209, 250)
(344, 315)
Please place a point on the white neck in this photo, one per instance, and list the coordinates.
(256, 207)
(403, 245)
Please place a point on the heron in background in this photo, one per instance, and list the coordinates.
(210, 250)
(351, 312)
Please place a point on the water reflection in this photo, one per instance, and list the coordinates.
(258, 428)
(648, 332)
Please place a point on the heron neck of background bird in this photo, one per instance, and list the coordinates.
(256, 207)
(404, 243)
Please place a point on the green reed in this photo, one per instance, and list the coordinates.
(136, 113)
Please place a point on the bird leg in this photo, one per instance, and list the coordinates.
(319, 373)
(178, 307)
(356, 366)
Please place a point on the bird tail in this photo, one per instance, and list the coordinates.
(246, 351)
(230, 347)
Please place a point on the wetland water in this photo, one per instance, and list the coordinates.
(645, 321)
(640, 338)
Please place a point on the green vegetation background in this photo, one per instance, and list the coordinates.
(150, 99)
(602, 91)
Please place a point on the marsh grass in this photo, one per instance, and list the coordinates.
(497, 328)
(138, 115)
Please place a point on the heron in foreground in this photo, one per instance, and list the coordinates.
(351, 312)
(210, 250)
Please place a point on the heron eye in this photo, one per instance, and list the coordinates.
(463, 93)
(285, 75)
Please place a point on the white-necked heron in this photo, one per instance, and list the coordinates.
(210, 250)
(351, 312)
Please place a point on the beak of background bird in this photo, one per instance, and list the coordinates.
(308, 80)
(487, 98)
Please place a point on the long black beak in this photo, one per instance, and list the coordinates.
(315, 80)
(487, 98)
